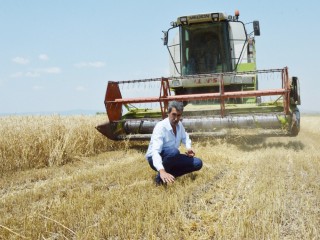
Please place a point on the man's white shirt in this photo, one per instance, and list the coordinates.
(163, 138)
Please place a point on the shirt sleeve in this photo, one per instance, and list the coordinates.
(185, 138)
(157, 144)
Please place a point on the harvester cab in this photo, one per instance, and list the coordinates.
(210, 43)
(213, 71)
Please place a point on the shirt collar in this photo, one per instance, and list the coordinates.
(168, 125)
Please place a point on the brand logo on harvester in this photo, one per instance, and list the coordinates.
(199, 16)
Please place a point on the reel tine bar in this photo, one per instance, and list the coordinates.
(114, 100)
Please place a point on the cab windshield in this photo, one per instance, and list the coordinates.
(205, 48)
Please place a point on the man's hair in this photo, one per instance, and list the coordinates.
(175, 104)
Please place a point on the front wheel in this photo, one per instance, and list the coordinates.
(295, 123)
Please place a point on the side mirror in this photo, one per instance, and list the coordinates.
(165, 38)
(256, 28)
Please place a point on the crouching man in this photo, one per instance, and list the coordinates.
(163, 152)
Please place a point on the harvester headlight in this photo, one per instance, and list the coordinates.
(215, 17)
(175, 83)
(184, 20)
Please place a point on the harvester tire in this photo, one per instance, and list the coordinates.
(295, 126)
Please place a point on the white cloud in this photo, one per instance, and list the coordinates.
(37, 72)
(37, 88)
(16, 75)
(51, 70)
(20, 60)
(43, 57)
(32, 74)
(97, 64)
(80, 88)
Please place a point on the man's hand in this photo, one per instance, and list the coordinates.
(166, 177)
(190, 153)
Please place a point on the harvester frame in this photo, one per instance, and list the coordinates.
(217, 112)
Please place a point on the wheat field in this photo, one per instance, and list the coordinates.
(61, 179)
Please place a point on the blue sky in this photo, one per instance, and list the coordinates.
(59, 55)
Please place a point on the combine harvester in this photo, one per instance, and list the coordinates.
(213, 71)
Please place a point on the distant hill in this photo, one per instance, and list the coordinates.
(312, 112)
(63, 113)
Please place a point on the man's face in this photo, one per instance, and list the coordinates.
(174, 117)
